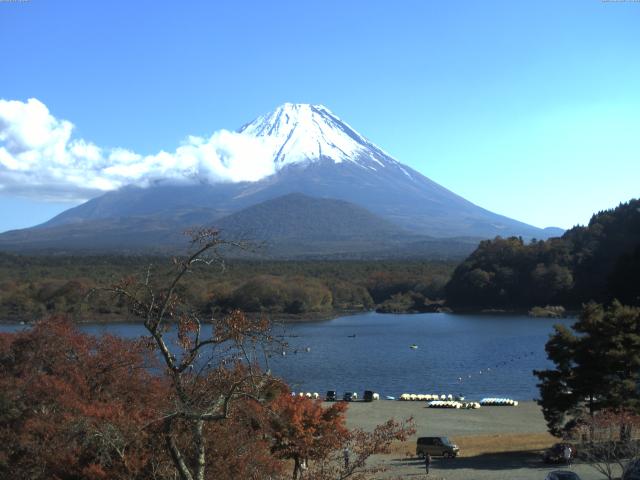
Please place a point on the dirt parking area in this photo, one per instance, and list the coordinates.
(496, 442)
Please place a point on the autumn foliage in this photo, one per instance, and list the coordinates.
(304, 431)
(314, 438)
(188, 401)
(76, 406)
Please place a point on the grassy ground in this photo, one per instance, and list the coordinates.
(473, 445)
(525, 418)
(497, 443)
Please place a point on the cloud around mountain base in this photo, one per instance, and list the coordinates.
(39, 158)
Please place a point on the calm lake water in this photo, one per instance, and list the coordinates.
(472, 355)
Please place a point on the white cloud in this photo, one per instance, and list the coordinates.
(39, 158)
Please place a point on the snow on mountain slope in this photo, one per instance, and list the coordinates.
(313, 153)
(300, 133)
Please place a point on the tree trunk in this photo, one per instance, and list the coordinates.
(200, 455)
(625, 432)
(591, 423)
(176, 455)
(296, 468)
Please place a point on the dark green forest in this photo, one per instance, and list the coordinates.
(35, 286)
(581, 383)
(599, 262)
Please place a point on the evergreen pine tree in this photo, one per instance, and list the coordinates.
(597, 366)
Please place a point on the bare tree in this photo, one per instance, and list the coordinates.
(210, 363)
(609, 441)
(361, 446)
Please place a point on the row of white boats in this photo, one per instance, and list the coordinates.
(499, 402)
(486, 402)
(453, 404)
(434, 401)
(451, 401)
(428, 397)
(314, 395)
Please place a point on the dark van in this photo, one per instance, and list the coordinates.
(348, 397)
(331, 396)
(368, 396)
(436, 447)
(633, 471)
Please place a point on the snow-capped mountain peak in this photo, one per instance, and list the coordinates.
(307, 150)
(299, 132)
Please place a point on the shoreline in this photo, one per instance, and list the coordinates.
(276, 318)
(312, 317)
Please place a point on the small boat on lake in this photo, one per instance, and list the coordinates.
(413, 347)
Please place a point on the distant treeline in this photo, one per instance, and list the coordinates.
(598, 262)
(34, 286)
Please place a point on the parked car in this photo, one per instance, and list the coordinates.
(331, 396)
(368, 396)
(437, 447)
(348, 397)
(562, 475)
(555, 454)
(632, 472)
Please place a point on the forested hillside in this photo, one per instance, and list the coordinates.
(35, 286)
(598, 262)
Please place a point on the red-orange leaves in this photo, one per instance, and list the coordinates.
(76, 406)
(187, 327)
(303, 430)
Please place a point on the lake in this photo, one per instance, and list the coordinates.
(473, 355)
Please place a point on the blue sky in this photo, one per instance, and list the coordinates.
(531, 110)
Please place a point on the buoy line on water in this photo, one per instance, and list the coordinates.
(497, 367)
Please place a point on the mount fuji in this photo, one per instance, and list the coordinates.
(315, 154)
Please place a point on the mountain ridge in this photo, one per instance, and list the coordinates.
(294, 226)
(315, 154)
